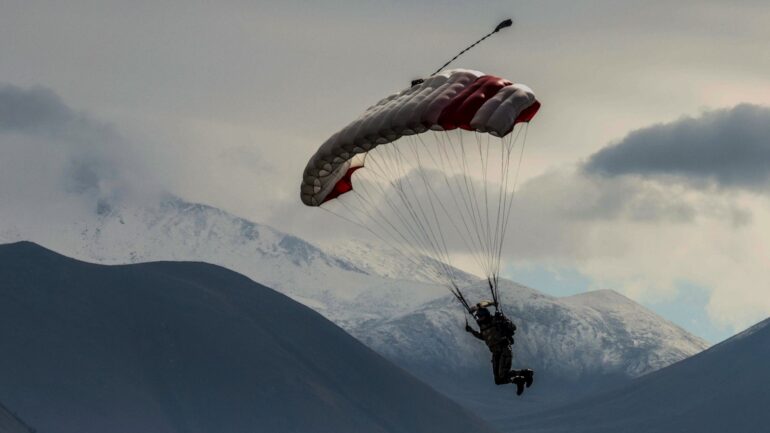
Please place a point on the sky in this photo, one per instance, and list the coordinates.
(646, 170)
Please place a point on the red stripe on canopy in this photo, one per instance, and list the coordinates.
(461, 109)
(343, 185)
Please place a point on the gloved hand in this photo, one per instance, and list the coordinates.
(468, 328)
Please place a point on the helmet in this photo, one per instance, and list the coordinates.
(482, 305)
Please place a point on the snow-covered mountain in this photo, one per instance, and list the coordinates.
(599, 332)
(172, 347)
(172, 229)
(382, 298)
(577, 345)
(723, 389)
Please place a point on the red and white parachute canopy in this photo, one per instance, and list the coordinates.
(427, 190)
(452, 99)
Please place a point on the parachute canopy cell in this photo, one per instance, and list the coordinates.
(452, 99)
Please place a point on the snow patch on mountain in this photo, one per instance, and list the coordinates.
(173, 229)
(595, 333)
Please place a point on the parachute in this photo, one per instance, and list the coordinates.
(408, 171)
(431, 170)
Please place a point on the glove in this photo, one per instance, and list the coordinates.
(468, 328)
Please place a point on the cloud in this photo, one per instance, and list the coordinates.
(33, 110)
(560, 215)
(620, 220)
(49, 147)
(729, 148)
(648, 239)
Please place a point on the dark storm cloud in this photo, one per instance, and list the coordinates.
(729, 147)
(36, 109)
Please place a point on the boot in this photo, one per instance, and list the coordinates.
(527, 374)
(519, 381)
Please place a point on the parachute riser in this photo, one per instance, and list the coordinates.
(460, 297)
(493, 290)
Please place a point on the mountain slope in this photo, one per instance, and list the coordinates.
(359, 286)
(597, 332)
(10, 423)
(172, 347)
(172, 229)
(725, 388)
(577, 345)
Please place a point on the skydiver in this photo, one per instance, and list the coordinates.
(497, 332)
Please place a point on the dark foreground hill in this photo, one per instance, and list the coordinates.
(10, 423)
(190, 347)
(723, 389)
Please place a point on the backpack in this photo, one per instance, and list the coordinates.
(506, 327)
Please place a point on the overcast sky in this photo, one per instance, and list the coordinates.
(646, 169)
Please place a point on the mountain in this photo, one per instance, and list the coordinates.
(190, 347)
(343, 289)
(723, 389)
(578, 344)
(10, 423)
(615, 335)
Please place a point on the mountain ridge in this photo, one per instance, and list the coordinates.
(183, 346)
(10, 423)
(724, 388)
(381, 298)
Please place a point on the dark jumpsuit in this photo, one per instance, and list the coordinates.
(493, 333)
